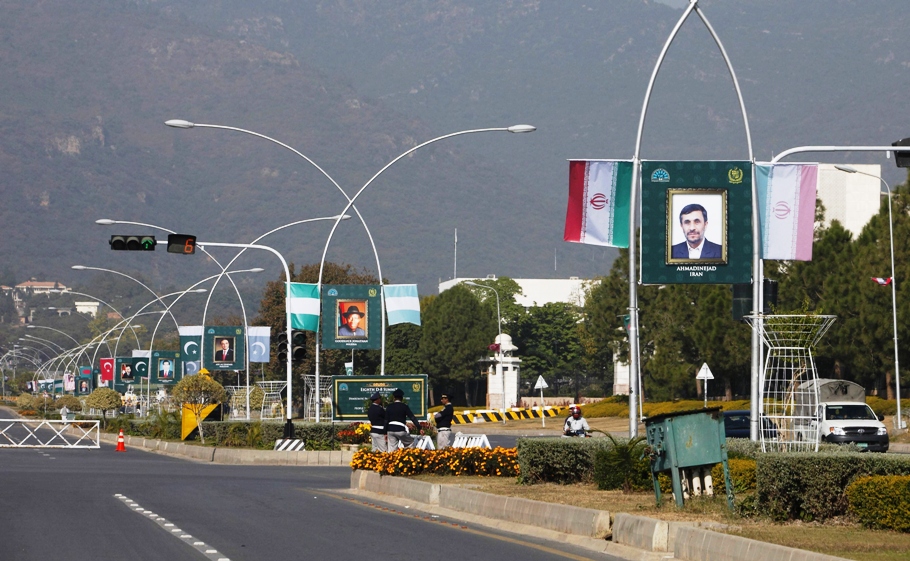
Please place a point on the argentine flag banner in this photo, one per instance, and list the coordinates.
(304, 305)
(402, 304)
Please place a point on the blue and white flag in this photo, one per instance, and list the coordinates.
(303, 305)
(402, 304)
(258, 343)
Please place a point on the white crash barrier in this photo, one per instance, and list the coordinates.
(471, 441)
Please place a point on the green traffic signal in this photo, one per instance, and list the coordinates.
(133, 243)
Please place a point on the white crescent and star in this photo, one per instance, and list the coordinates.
(261, 345)
(186, 347)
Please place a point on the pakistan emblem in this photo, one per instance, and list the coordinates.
(735, 176)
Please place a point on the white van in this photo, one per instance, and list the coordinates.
(840, 415)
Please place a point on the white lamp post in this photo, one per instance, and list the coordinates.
(501, 372)
(897, 374)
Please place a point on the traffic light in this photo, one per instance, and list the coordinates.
(133, 243)
(282, 353)
(298, 350)
(181, 243)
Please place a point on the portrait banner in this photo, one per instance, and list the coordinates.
(123, 367)
(351, 317)
(223, 348)
(166, 367)
(696, 222)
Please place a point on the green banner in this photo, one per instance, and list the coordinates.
(351, 395)
(123, 372)
(351, 317)
(222, 348)
(696, 222)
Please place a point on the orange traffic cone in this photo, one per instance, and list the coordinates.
(120, 446)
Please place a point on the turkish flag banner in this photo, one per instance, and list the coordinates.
(107, 369)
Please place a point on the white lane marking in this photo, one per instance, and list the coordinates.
(201, 547)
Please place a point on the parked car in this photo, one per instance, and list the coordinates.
(736, 425)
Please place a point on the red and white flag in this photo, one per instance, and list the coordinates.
(881, 281)
(599, 202)
(107, 369)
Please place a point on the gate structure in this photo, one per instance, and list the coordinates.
(43, 433)
(789, 365)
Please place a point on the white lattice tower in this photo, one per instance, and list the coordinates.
(789, 365)
(272, 401)
(237, 396)
(309, 395)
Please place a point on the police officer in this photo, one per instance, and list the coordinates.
(396, 416)
(444, 423)
(376, 414)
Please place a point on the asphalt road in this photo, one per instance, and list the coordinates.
(89, 505)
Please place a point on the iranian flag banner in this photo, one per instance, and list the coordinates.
(786, 207)
(599, 202)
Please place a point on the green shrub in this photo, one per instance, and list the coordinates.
(623, 466)
(742, 475)
(27, 401)
(881, 502)
(71, 402)
(810, 486)
(558, 460)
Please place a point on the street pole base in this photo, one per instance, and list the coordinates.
(289, 429)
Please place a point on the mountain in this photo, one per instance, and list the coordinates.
(352, 85)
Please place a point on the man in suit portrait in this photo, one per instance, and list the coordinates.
(164, 369)
(693, 219)
(353, 318)
(126, 372)
(225, 353)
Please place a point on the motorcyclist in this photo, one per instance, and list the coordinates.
(575, 424)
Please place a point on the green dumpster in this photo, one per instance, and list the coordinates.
(688, 444)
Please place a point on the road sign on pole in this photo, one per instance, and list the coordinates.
(540, 385)
(705, 374)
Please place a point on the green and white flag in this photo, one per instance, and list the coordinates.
(304, 306)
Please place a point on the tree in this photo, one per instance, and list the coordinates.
(456, 332)
(197, 392)
(104, 399)
(549, 342)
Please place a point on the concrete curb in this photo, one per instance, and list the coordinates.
(646, 537)
(236, 456)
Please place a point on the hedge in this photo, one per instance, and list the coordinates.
(498, 461)
(881, 502)
(811, 486)
(558, 460)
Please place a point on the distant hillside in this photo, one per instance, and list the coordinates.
(353, 84)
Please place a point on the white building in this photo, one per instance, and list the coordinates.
(537, 292)
(850, 198)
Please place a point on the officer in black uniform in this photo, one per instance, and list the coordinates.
(396, 416)
(376, 414)
(444, 423)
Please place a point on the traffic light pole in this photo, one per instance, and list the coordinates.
(289, 425)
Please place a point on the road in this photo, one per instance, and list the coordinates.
(64, 504)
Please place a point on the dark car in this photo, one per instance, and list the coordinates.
(736, 425)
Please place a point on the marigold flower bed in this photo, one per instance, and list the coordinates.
(498, 461)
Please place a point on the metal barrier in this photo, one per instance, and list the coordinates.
(471, 441)
(40, 433)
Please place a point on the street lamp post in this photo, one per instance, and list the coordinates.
(897, 374)
(501, 372)
(137, 281)
(289, 425)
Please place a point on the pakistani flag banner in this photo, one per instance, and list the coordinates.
(258, 340)
(190, 346)
(696, 222)
(351, 316)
